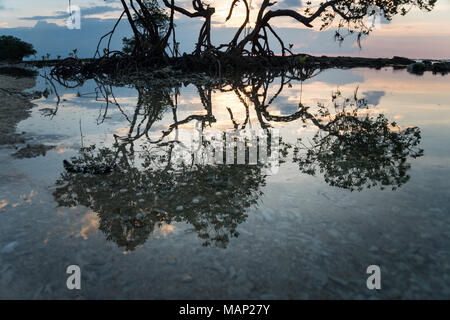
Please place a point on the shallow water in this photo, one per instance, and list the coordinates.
(147, 230)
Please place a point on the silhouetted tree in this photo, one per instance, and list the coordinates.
(14, 49)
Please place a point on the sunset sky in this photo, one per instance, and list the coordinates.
(417, 35)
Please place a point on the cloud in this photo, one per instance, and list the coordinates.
(59, 40)
(374, 97)
(98, 10)
(285, 105)
(64, 14)
(40, 18)
(293, 3)
(336, 77)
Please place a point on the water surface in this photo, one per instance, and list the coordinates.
(367, 184)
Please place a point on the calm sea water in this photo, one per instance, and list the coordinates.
(367, 184)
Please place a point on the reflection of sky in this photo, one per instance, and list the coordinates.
(407, 99)
(417, 35)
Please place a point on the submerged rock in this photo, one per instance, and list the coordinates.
(10, 247)
(441, 67)
(417, 68)
(94, 169)
(402, 61)
(429, 65)
(32, 151)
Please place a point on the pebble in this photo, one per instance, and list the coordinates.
(353, 236)
(232, 272)
(186, 278)
(337, 280)
(419, 259)
(179, 208)
(10, 247)
(334, 233)
(395, 209)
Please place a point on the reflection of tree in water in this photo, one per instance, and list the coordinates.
(131, 202)
(353, 150)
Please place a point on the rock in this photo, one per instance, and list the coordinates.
(339, 281)
(10, 247)
(32, 151)
(402, 60)
(94, 169)
(268, 296)
(186, 278)
(418, 259)
(417, 68)
(441, 68)
(334, 233)
(232, 272)
(353, 236)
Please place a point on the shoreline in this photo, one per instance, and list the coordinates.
(15, 106)
(227, 66)
(191, 63)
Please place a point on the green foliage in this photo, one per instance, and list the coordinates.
(128, 44)
(14, 49)
(133, 202)
(157, 14)
(73, 53)
(302, 60)
(354, 150)
(353, 15)
(159, 18)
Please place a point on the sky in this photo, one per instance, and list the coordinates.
(419, 34)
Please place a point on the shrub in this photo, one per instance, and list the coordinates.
(14, 49)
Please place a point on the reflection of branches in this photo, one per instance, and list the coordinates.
(352, 149)
(355, 150)
(150, 188)
(256, 90)
(48, 80)
(130, 202)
